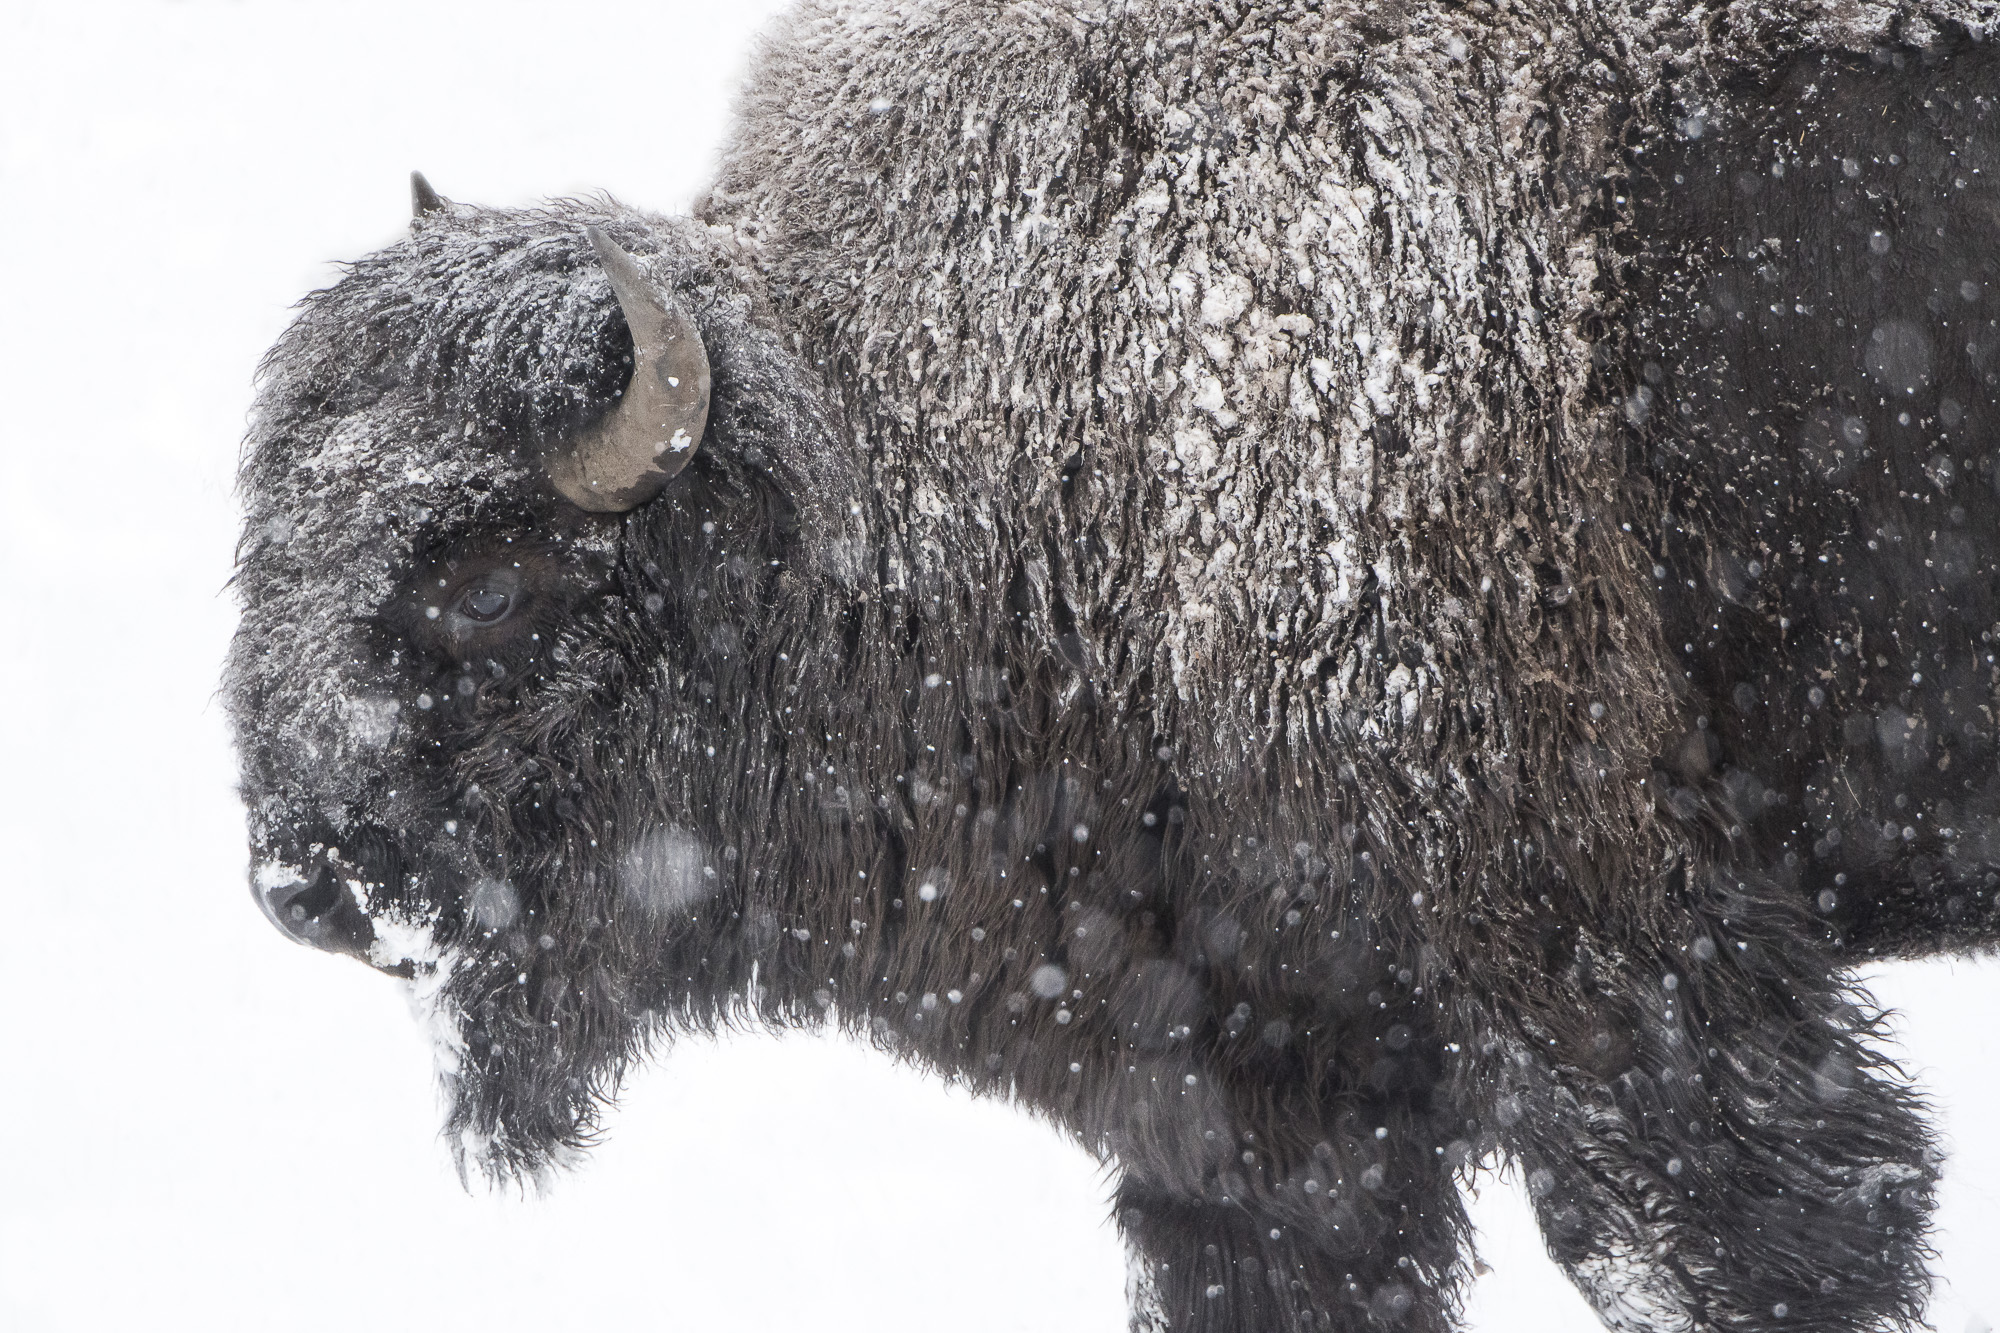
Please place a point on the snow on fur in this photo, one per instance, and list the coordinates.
(1164, 625)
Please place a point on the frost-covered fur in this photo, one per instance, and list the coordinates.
(1169, 622)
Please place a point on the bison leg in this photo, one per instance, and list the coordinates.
(1358, 1231)
(1707, 1139)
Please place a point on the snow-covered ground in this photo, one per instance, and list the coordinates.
(207, 1127)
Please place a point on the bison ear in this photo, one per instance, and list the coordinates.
(424, 200)
(627, 457)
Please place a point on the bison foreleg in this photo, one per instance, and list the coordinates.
(1359, 1232)
(1715, 1146)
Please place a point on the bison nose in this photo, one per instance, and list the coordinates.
(317, 910)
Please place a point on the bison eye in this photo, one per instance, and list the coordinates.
(482, 603)
(485, 605)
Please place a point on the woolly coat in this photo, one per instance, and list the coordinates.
(1169, 622)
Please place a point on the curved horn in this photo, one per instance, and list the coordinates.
(423, 199)
(623, 459)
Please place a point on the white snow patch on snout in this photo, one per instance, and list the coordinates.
(276, 875)
(402, 938)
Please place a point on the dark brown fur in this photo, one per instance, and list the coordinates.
(1042, 672)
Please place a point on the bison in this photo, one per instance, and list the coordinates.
(1315, 591)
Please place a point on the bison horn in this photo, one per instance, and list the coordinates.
(623, 459)
(423, 199)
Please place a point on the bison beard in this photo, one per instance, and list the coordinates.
(1176, 617)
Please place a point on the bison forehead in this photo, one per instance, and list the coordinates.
(417, 389)
(495, 317)
(359, 489)
(402, 462)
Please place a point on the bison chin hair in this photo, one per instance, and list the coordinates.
(526, 1073)
(548, 996)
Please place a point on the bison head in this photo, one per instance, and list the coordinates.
(525, 495)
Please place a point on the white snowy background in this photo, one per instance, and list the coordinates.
(204, 1126)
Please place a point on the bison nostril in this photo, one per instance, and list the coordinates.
(311, 900)
(318, 910)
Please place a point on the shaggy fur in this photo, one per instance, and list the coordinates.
(1816, 316)
(1178, 618)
